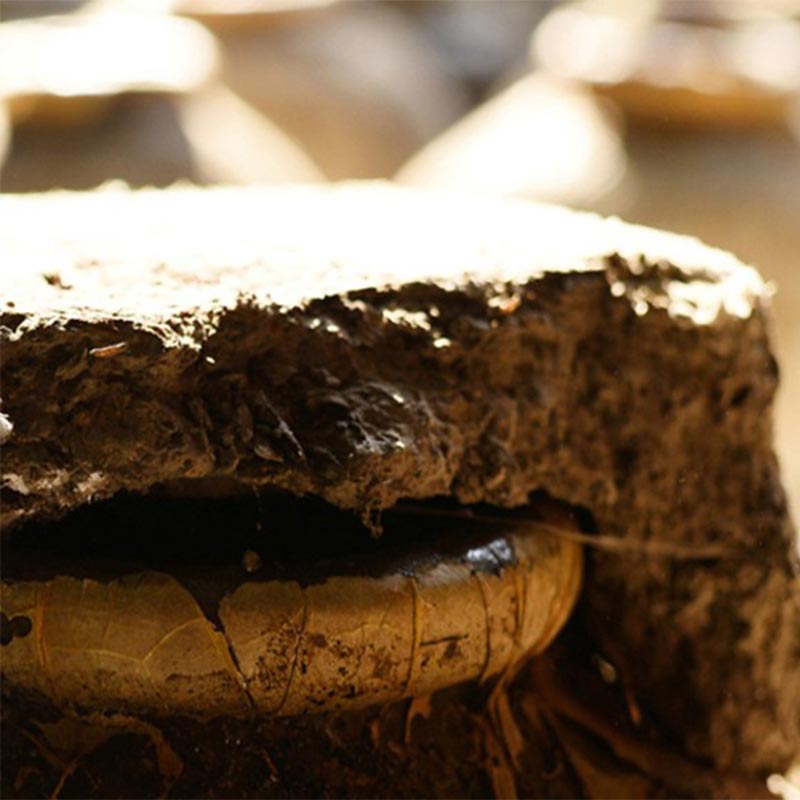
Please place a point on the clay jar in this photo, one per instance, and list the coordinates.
(86, 108)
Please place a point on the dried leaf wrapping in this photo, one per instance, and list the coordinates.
(143, 643)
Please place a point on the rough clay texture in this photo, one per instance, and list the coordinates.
(366, 344)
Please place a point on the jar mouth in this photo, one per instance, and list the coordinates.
(277, 605)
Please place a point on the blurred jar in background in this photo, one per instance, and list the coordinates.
(539, 138)
(705, 91)
(130, 96)
(356, 84)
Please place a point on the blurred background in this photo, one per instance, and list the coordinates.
(681, 115)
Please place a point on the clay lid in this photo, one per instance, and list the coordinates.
(735, 65)
(50, 65)
(185, 287)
